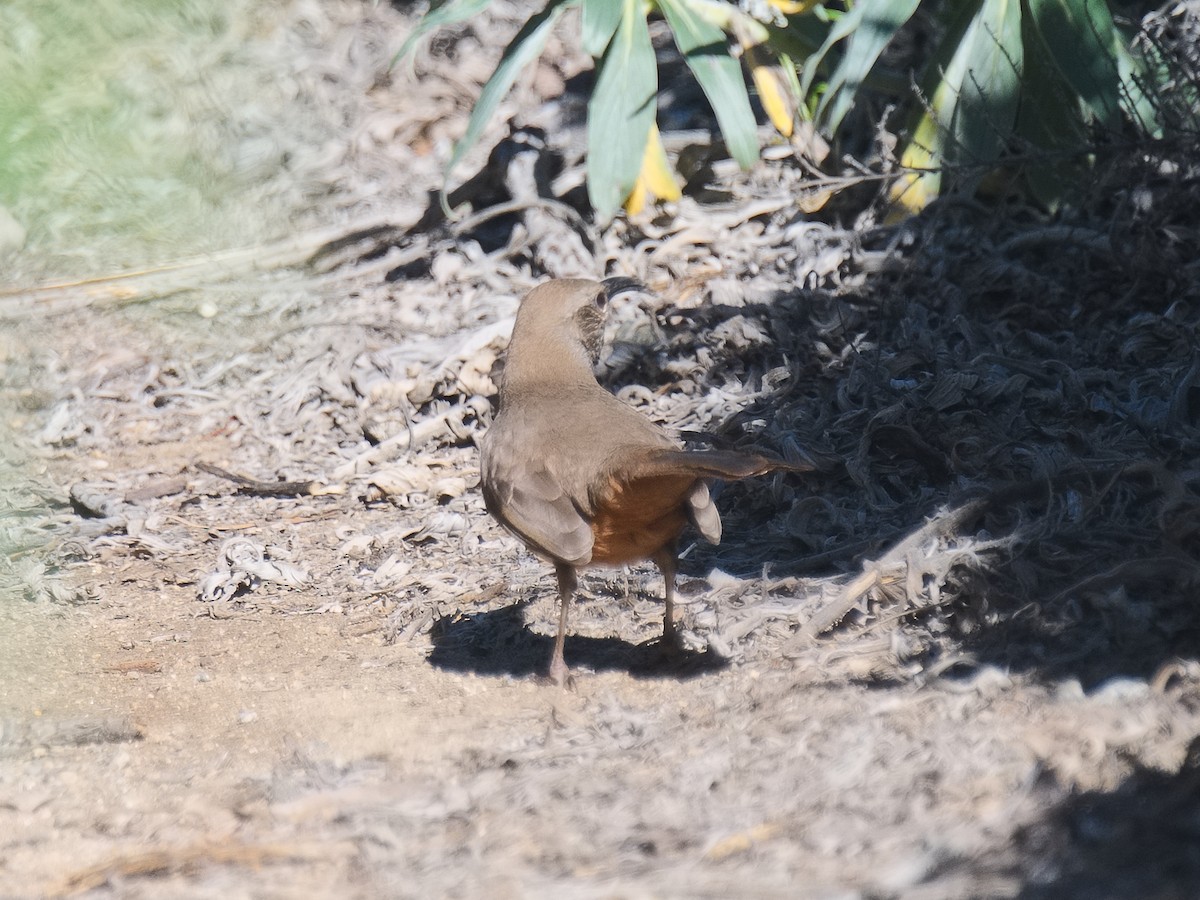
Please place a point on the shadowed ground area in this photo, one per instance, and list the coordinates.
(499, 642)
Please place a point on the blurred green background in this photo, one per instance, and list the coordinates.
(133, 132)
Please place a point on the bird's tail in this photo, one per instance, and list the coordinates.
(728, 465)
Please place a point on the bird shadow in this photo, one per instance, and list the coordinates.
(500, 642)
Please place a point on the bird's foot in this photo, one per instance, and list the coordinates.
(559, 675)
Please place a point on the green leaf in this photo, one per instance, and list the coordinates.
(704, 49)
(600, 20)
(985, 75)
(842, 28)
(621, 111)
(972, 91)
(1048, 124)
(441, 12)
(1135, 75)
(800, 38)
(523, 49)
(788, 69)
(1079, 35)
(1093, 56)
(872, 24)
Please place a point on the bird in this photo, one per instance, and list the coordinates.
(582, 478)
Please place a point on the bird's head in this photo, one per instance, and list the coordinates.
(560, 324)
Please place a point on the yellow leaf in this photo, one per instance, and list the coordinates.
(636, 201)
(793, 7)
(912, 191)
(813, 201)
(771, 92)
(916, 189)
(656, 180)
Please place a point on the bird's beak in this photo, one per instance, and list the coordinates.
(619, 284)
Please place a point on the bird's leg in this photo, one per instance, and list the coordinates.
(567, 582)
(668, 565)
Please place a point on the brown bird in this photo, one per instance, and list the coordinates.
(579, 476)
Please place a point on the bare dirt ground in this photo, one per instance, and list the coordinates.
(958, 662)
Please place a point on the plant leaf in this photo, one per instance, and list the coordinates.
(523, 49)
(1079, 36)
(657, 178)
(1048, 124)
(1134, 74)
(600, 20)
(973, 103)
(986, 77)
(842, 28)
(704, 49)
(621, 112)
(787, 71)
(793, 7)
(914, 190)
(778, 103)
(1093, 56)
(729, 17)
(875, 23)
(801, 38)
(441, 12)
(919, 186)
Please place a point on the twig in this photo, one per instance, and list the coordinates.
(158, 281)
(70, 732)
(185, 859)
(271, 488)
(898, 556)
(409, 439)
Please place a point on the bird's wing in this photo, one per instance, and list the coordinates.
(533, 504)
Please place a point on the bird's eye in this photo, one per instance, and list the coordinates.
(600, 301)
